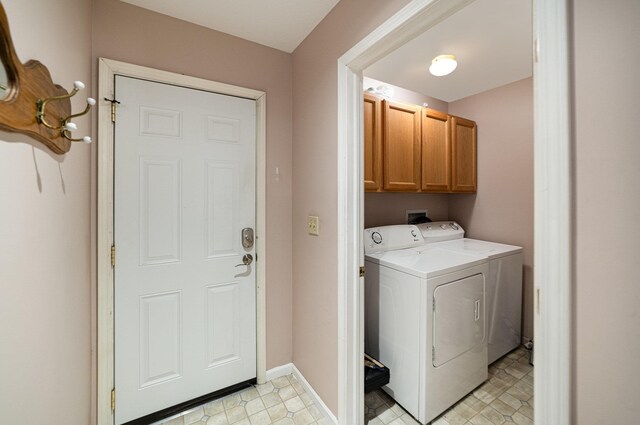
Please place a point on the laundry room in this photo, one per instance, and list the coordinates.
(448, 147)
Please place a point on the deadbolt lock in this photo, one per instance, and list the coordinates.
(247, 238)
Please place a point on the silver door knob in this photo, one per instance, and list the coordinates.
(247, 259)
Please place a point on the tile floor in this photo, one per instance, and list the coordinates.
(281, 401)
(505, 399)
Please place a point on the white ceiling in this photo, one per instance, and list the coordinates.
(281, 24)
(492, 40)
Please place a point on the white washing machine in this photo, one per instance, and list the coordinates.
(504, 282)
(424, 319)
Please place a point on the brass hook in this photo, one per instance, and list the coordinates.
(66, 126)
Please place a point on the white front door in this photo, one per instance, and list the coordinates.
(184, 190)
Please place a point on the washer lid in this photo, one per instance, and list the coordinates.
(425, 262)
(481, 248)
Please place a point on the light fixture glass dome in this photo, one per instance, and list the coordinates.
(443, 65)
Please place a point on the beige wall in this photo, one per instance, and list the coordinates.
(391, 208)
(315, 298)
(502, 209)
(607, 202)
(135, 35)
(45, 311)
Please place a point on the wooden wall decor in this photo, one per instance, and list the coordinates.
(29, 85)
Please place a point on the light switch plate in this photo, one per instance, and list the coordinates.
(313, 225)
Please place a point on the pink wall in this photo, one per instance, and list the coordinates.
(502, 209)
(45, 310)
(135, 35)
(607, 201)
(391, 208)
(315, 299)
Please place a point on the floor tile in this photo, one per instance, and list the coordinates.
(278, 411)
(218, 419)
(260, 418)
(505, 399)
(287, 392)
(502, 407)
(302, 417)
(254, 406)
(294, 404)
(271, 399)
(281, 382)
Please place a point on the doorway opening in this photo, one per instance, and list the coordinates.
(552, 194)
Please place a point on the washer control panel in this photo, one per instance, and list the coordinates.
(389, 238)
(441, 231)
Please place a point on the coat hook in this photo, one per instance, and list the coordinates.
(65, 126)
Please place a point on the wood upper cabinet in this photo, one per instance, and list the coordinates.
(436, 151)
(372, 143)
(401, 146)
(464, 155)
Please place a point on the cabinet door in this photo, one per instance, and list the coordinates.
(464, 153)
(372, 143)
(436, 151)
(401, 147)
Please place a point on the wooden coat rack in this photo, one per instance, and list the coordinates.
(31, 103)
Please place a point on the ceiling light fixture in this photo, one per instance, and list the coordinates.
(443, 65)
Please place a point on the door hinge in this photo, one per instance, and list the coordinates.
(113, 108)
(433, 354)
(361, 271)
(113, 256)
(113, 400)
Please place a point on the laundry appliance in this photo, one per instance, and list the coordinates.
(424, 318)
(504, 282)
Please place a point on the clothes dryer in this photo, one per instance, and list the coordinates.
(504, 282)
(424, 319)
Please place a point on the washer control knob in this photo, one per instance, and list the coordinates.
(413, 233)
(443, 226)
(454, 226)
(377, 237)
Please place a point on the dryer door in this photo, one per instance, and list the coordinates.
(458, 318)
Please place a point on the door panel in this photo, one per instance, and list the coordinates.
(184, 190)
(458, 318)
(464, 153)
(401, 171)
(372, 143)
(436, 151)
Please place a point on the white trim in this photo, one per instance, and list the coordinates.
(553, 214)
(314, 396)
(107, 71)
(290, 368)
(553, 195)
(278, 371)
(412, 20)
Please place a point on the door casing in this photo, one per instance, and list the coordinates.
(105, 283)
(554, 189)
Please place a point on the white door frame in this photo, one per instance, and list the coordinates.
(553, 194)
(108, 69)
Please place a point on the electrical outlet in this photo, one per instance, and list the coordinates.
(313, 225)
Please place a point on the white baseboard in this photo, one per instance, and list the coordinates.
(278, 371)
(289, 369)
